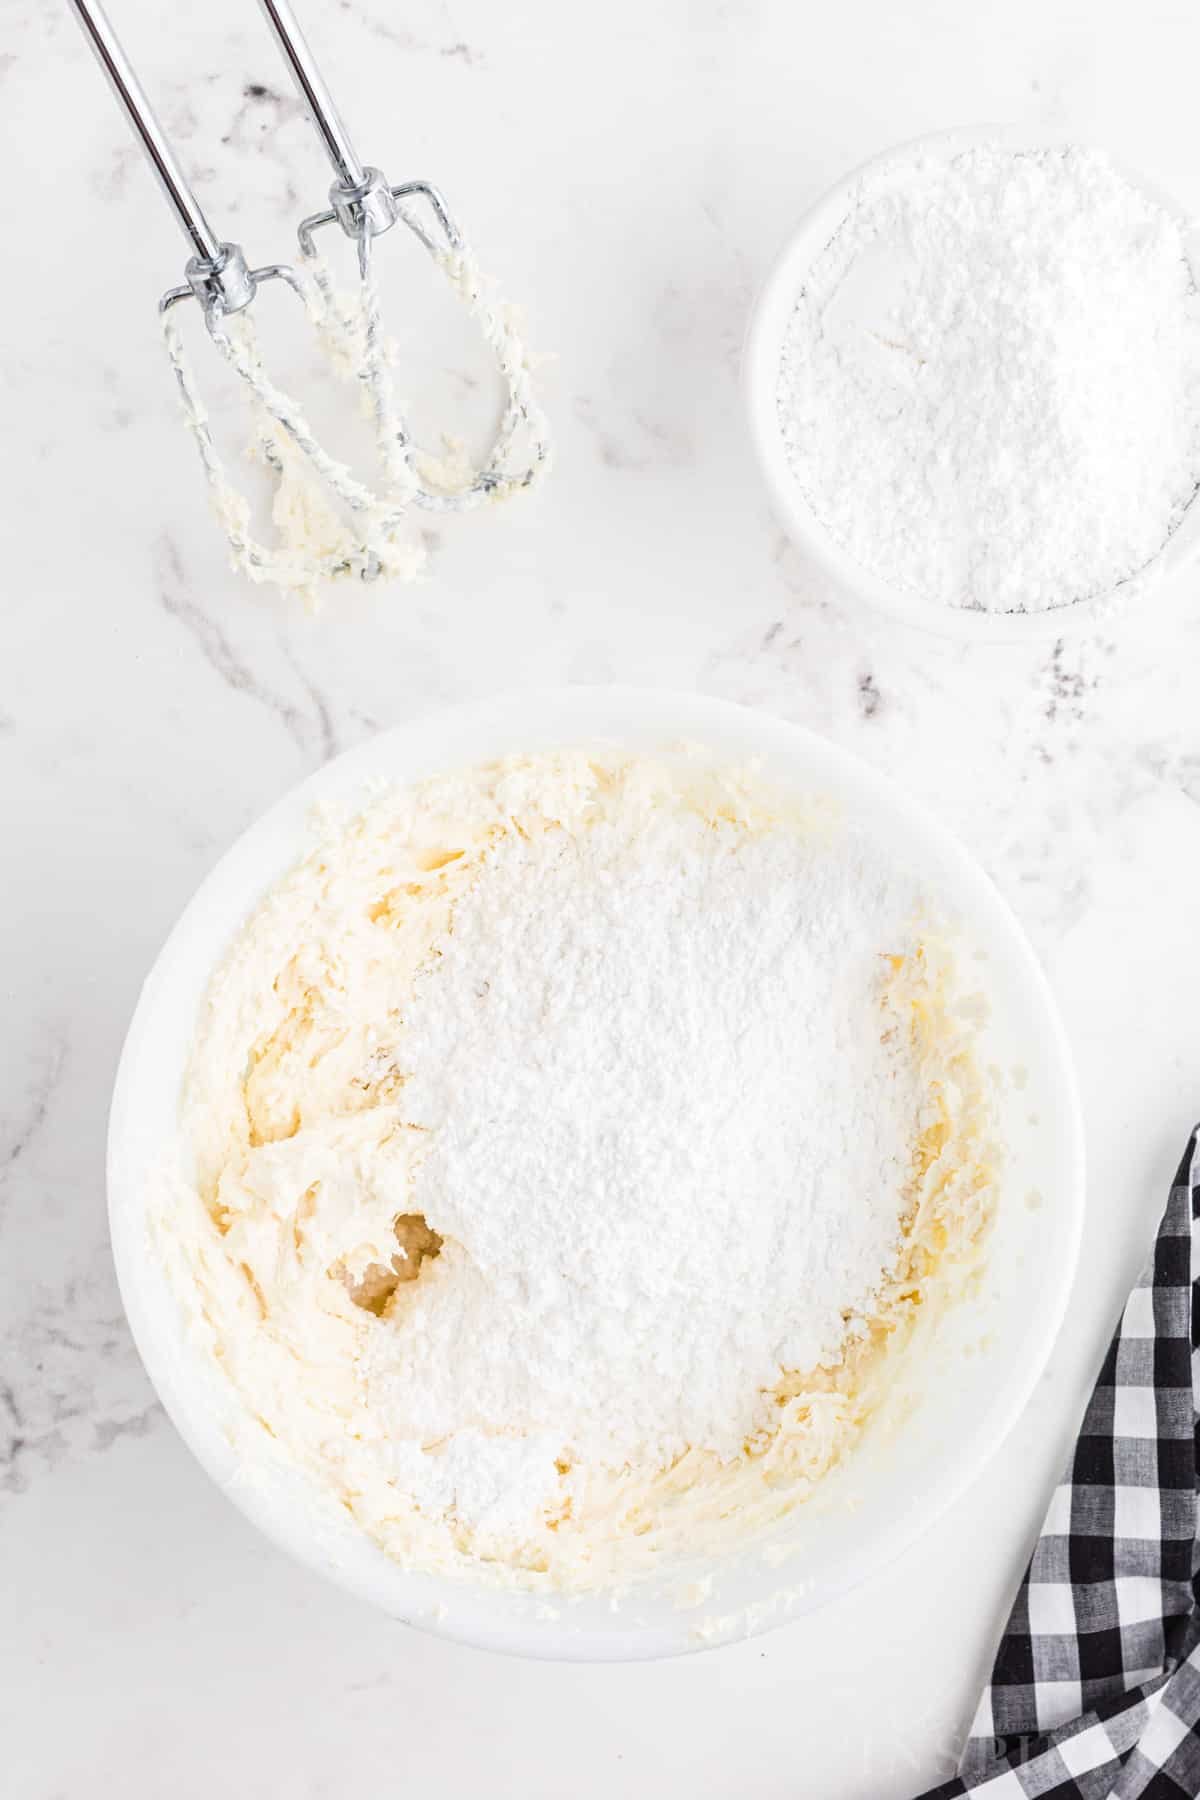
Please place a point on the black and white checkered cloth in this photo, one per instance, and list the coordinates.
(1095, 1692)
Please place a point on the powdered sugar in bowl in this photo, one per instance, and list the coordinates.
(280, 950)
(973, 381)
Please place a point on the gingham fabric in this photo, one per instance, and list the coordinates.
(1095, 1692)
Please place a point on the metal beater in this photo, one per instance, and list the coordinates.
(315, 543)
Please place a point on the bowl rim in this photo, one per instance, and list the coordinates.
(589, 714)
(769, 313)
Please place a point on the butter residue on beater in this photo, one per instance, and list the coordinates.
(303, 1245)
(329, 526)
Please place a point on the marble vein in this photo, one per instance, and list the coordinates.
(16, 1143)
(306, 729)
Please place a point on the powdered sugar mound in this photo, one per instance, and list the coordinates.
(493, 1485)
(668, 1141)
(990, 387)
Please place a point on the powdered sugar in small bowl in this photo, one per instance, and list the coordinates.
(973, 383)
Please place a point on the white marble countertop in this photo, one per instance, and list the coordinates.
(629, 174)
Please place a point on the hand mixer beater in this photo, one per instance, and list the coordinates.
(329, 524)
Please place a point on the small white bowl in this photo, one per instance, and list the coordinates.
(764, 344)
(982, 1364)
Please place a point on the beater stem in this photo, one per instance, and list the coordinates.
(129, 91)
(324, 114)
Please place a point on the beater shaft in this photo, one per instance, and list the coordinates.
(319, 101)
(132, 96)
(361, 199)
(216, 271)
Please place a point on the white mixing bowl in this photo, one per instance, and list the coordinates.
(760, 371)
(978, 1370)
